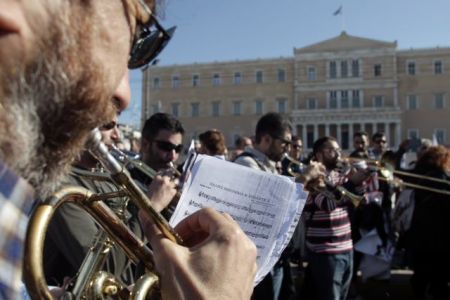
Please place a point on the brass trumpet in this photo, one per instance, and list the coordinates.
(100, 285)
(331, 191)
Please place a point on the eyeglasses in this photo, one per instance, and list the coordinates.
(148, 42)
(284, 142)
(109, 126)
(168, 147)
(333, 150)
(297, 146)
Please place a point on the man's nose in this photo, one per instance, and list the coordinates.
(172, 155)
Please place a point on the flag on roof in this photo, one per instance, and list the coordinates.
(338, 11)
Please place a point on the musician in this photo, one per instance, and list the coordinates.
(161, 143)
(273, 138)
(296, 151)
(60, 63)
(72, 230)
(328, 232)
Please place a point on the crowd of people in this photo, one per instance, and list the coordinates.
(64, 71)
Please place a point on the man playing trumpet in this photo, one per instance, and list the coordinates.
(60, 63)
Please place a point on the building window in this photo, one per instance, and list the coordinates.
(195, 109)
(195, 80)
(413, 133)
(344, 69)
(378, 101)
(355, 68)
(215, 108)
(344, 99)
(156, 83)
(237, 108)
(175, 82)
(438, 67)
(281, 75)
(440, 135)
(377, 70)
(237, 78)
(156, 108)
(412, 102)
(175, 109)
(216, 79)
(311, 103)
(311, 73)
(259, 110)
(333, 100)
(259, 76)
(439, 101)
(281, 105)
(333, 69)
(411, 68)
(356, 100)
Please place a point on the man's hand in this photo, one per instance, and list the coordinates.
(161, 192)
(313, 176)
(217, 260)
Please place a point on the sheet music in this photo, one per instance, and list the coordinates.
(266, 206)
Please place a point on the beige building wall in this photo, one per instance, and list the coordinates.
(335, 87)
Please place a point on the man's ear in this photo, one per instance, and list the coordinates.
(144, 145)
(266, 139)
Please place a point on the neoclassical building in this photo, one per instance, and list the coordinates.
(334, 87)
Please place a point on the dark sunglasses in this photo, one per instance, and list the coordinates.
(108, 126)
(149, 41)
(168, 147)
(380, 142)
(297, 146)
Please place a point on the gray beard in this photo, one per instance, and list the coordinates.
(49, 109)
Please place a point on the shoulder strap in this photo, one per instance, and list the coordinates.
(248, 154)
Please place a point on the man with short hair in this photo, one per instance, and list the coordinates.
(273, 138)
(162, 141)
(240, 144)
(379, 146)
(60, 63)
(328, 231)
(295, 152)
(360, 145)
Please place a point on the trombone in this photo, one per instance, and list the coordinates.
(331, 190)
(387, 172)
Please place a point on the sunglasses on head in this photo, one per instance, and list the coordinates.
(149, 41)
(167, 146)
(108, 126)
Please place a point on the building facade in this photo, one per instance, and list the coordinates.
(335, 87)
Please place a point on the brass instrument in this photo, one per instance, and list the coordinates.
(100, 285)
(331, 191)
(387, 172)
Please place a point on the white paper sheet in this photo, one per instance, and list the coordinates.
(266, 206)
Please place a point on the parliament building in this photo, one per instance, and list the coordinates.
(334, 87)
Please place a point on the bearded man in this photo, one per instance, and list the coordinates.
(60, 63)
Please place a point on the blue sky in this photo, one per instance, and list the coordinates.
(221, 30)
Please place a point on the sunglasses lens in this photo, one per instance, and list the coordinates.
(147, 47)
(166, 146)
